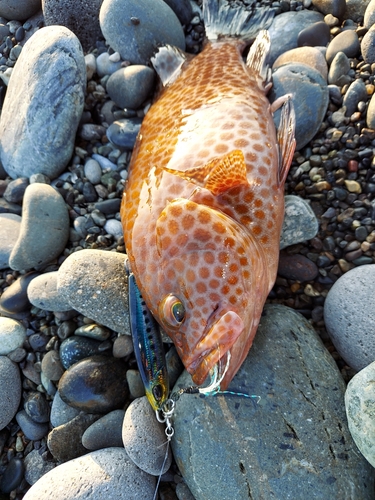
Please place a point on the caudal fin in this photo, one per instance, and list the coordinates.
(229, 18)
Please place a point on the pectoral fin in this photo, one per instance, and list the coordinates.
(168, 62)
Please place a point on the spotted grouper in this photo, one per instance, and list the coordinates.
(204, 203)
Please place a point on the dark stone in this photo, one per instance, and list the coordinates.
(123, 133)
(12, 476)
(334, 7)
(347, 42)
(31, 429)
(38, 341)
(317, 34)
(129, 87)
(96, 384)
(16, 189)
(75, 348)
(15, 299)
(105, 432)
(297, 267)
(109, 206)
(89, 192)
(37, 407)
(182, 9)
(356, 92)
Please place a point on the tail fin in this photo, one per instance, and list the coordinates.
(229, 18)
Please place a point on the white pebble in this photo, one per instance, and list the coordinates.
(12, 335)
(90, 65)
(93, 171)
(113, 227)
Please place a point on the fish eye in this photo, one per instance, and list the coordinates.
(157, 392)
(173, 311)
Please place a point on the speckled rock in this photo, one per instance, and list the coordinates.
(300, 222)
(285, 29)
(10, 390)
(10, 226)
(350, 316)
(43, 104)
(347, 42)
(94, 283)
(81, 17)
(19, 10)
(368, 46)
(105, 432)
(275, 445)
(75, 348)
(44, 228)
(36, 466)
(96, 384)
(136, 28)
(42, 292)
(310, 98)
(61, 412)
(305, 55)
(129, 87)
(107, 473)
(12, 335)
(369, 18)
(359, 403)
(140, 426)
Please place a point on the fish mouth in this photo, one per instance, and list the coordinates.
(214, 344)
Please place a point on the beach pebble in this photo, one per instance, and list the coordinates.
(43, 104)
(93, 171)
(31, 429)
(347, 42)
(140, 426)
(339, 69)
(370, 116)
(359, 403)
(96, 384)
(37, 407)
(15, 190)
(36, 466)
(136, 28)
(81, 18)
(285, 29)
(129, 87)
(368, 46)
(93, 331)
(300, 223)
(317, 34)
(76, 348)
(311, 104)
(14, 299)
(19, 10)
(10, 226)
(136, 387)
(13, 475)
(106, 473)
(44, 228)
(114, 227)
(94, 283)
(355, 9)
(104, 162)
(61, 412)
(42, 292)
(369, 18)
(65, 441)
(10, 390)
(296, 267)
(350, 316)
(105, 432)
(105, 66)
(123, 133)
(182, 9)
(52, 367)
(334, 7)
(12, 335)
(356, 92)
(90, 62)
(298, 419)
(305, 55)
(122, 346)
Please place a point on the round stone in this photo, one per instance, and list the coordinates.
(114, 227)
(105, 432)
(93, 171)
(317, 34)
(300, 222)
(61, 412)
(96, 384)
(15, 299)
(42, 293)
(369, 19)
(36, 465)
(19, 9)
(104, 65)
(339, 69)
(52, 367)
(37, 407)
(347, 42)
(350, 316)
(32, 430)
(10, 390)
(129, 87)
(76, 348)
(367, 46)
(334, 7)
(123, 133)
(296, 267)
(12, 476)
(356, 92)
(10, 226)
(12, 335)
(305, 55)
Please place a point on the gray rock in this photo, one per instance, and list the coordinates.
(136, 28)
(316, 35)
(285, 29)
(42, 292)
(129, 87)
(43, 104)
(107, 473)
(36, 466)
(123, 133)
(10, 226)
(334, 7)
(52, 367)
(347, 42)
(310, 98)
(10, 390)
(136, 387)
(93, 171)
(370, 116)
(350, 316)
(355, 9)
(12, 335)
(368, 46)
(300, 223)
(93, 331)
(369, 18)
(104, 66)
(105, 432)
(82, 18)
(291, 441)
(356, 92)
(140, 426)
(32, 430)
(14, 299)
(182, 9)
(15, 190)
(94, 283)
(305, 55)
(359, 403)
(339, 69)
(61, 413)
(114, 227)
(19, 10)
(44, 228)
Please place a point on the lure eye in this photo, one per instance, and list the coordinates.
(173, 311)
(157, 392)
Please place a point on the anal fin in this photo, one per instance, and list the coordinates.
(168, 62)
(286, 138)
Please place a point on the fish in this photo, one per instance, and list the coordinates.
(203, 207)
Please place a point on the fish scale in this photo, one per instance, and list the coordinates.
(203, 207)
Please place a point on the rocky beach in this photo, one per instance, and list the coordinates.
(75, 83)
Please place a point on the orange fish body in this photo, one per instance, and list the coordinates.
(204, 204)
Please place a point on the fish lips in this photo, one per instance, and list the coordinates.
(216, 340)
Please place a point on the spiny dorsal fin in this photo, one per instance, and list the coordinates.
(286, 139)
(168, 62)
(219, 174)
(257, 57)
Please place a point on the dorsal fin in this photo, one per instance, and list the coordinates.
(286, 139)
(258, 54)
(168, 62)
(219, 174)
